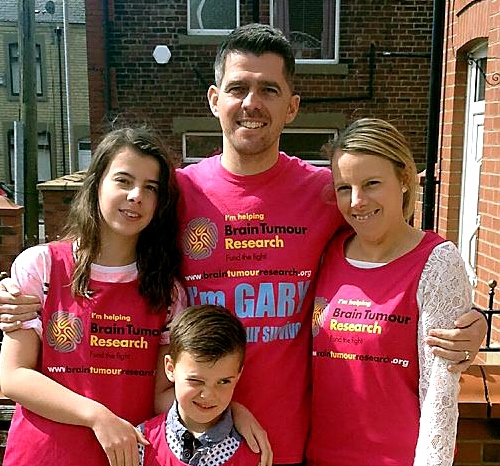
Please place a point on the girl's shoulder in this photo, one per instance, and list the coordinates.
(31, 270)
(34, 261)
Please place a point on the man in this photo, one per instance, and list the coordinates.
(254, 223)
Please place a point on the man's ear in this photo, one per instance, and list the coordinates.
(293, 108)
(169, 368)
(213, 97)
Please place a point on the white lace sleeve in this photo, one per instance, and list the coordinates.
(444, 293)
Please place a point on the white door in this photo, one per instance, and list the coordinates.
(471, 169)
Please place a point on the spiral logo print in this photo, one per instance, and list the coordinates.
(64, 331)
(319, 314)
(200, 238)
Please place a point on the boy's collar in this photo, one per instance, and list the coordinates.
(211, 436)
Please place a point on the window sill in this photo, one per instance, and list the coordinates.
(200, 39)
(317, 68)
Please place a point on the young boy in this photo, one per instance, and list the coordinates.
(207, 349)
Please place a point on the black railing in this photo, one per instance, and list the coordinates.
(489, 313)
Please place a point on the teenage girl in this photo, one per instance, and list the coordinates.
(83, 372)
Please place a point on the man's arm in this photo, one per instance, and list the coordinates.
(14, 307)
(461, 344)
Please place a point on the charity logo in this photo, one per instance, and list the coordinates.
(319, 314)
(64, 331)
(200, 238)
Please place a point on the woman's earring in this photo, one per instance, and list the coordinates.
(404, 189)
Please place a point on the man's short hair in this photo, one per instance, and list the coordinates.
(257, 39)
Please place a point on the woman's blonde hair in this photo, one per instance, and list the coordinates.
(373, 136)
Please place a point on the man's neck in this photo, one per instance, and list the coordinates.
(248, 165)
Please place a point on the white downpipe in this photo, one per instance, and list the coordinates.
(71, 152)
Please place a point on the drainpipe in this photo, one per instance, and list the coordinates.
(107, 73)
(433, 112)
(59, 32)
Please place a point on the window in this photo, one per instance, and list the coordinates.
(306, 143)
(14, 69)
(197, 146)
(213, 16)
(480, 77)
(302, 143)
(44, 156)
(84, 154)
(312, 27)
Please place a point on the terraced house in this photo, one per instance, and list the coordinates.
(55, 157)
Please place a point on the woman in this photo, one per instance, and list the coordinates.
(380, 397)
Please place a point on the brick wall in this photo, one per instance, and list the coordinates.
(11, 232)
(57, 196)
(478, 434)
(48, 106)
(470, 23)
(145, 91)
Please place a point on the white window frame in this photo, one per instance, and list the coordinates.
(335, 24)
(203, 31)
(187, 159)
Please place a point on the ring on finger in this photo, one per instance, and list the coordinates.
(467, 356)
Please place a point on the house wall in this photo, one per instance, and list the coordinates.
(469, 23)
(172, 97)
(48, 105)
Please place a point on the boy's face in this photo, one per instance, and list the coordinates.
(203, 389)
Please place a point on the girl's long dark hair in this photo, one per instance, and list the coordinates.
(158, 256)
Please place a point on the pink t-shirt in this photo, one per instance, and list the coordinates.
(253, 244)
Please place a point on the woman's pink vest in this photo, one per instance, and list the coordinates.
(365, 408)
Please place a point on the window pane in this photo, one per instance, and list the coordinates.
(311, 26)
(14, 69)
(306, 27)
(480, 79)
(306, 144)
(213, 14)
(15, 72)
(84, 154)
(38, 65)
(200, 145)
(44, 166)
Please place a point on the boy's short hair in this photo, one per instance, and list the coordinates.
(207, 332)
(256, 39)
